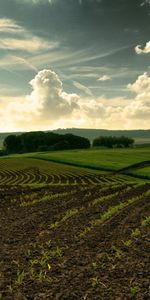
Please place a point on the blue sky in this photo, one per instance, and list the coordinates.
(74, 63)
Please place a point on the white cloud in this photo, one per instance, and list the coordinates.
(30, 45)
(141, 85)
(146, 49)
(28, 42)
(49, 106)
(104, 78)
(83, 88)
(8, 25)
(48, 96)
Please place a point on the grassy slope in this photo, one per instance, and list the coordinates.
(113, 159)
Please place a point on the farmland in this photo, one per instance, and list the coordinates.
(72, 233)
(103, 159)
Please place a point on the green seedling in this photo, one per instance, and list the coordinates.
(95, 281)
(10, 289)
(136, 232)
(134, 290)
(145, 222)
(41, 276)
(20, 277)
(69, 214)
(54, 225)
(118, 252)
(127, 243)
(94, 265)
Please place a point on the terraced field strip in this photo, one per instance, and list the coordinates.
(25, 171)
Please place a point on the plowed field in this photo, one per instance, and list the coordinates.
(72, 233)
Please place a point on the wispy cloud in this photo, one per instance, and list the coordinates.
(82, 88)
(28, 42)
(8, 25)
(104, 78)
(32, 44)
(12, 63)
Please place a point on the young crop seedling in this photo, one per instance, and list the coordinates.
(10, 289)
(95, 281)
(127, 243)
(118, 252)
(94, 265)
(134, 290)
(20, 277)
(136, 232)
(145, 222)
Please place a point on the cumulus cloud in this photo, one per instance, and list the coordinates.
(48, 95)
(49, 106)
(146, 49)
(104, 78)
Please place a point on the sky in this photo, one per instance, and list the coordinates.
(74, 63)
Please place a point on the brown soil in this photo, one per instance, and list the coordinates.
(43, 256)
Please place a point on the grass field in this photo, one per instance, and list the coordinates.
(72, 233)
(141, 171)
(103, 159)
(108, 158)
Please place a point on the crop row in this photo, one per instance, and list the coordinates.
(25, 171)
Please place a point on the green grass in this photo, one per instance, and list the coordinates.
(142, 171)
(107, 159)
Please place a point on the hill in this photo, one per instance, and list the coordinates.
(140, 136)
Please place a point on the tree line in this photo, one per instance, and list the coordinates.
(50, 141)
(43, 141)
(113, 141)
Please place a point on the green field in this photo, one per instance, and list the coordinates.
(109, 159)
(99, 159)
(141, 171)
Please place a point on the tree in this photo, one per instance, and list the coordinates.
(113, 141)
(43, 141)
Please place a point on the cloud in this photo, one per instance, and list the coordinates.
(104, 78)
(8, 25)
(146, 49)
(141, 86)
(145, 2)
(27, 42)
(83, 88)
(29, 45)
(38, 1)
(49, 106)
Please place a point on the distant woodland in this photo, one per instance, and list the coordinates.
(43, 141)
(139, 136)
(49, 141)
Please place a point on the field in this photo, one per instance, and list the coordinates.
(103, 159)
(72, 233)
